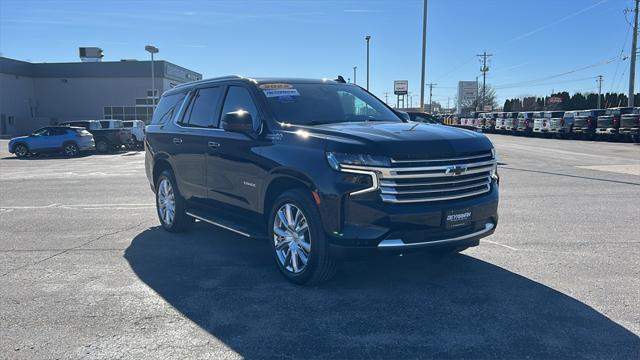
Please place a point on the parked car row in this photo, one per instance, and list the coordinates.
(71, 138)
(621, 123)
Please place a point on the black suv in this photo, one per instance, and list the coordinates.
(319, 168)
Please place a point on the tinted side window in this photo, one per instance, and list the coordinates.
(57, 131)
(166, 108)
(202, 110)
(238, 98)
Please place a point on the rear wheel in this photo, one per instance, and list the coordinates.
(21, 151)
(71, 150)
(170, 205)
(102, 146)
(298, 242)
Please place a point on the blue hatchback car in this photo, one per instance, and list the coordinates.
(53, 139)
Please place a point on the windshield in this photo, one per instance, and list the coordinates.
(312, 104)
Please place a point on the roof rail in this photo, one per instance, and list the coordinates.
(220, 78)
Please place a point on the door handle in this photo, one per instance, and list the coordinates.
(177, 141)
(213, 144)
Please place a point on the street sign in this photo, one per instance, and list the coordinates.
(555, 100)
(401, 87)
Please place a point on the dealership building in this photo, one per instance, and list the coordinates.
(33, 95)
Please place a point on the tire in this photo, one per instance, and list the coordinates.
(21, 151)
(102, 146)
(71, 149)
(309, 241)
(170, 206)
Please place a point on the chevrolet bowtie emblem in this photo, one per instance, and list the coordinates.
(455, 170)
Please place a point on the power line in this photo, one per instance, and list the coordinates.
(621, 57)
(533, 81)
(544, 84)
(567, 17)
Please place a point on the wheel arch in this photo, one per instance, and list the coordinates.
(281, 183)
(161, 164)
(14, 145)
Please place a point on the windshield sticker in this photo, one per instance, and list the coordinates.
(280, 93)
(275, 86)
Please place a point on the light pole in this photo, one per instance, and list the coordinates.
(152, 50)
(368, 37)
(424, 52)
(354, 74)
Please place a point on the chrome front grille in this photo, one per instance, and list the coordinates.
(430, 180)
(629, 121)
(605, 121)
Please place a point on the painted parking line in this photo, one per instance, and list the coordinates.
(80, 207)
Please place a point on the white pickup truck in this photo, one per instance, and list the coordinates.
(137, 131)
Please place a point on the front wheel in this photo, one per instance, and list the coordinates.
(170, 205)
(21, 151)
(298, 242)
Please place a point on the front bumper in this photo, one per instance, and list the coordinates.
(630, 131)
(607, 131)
(372, 224)
(582, 130)
(87, 145)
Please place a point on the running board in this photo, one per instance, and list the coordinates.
(224, 223)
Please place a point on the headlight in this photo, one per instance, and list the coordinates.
(337, 159)
(493, 153)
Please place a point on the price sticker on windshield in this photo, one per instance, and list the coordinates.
(275, 86)
(286, 93)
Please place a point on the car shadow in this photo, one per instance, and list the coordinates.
(411, 306)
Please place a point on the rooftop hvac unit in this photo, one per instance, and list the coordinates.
(91, 54)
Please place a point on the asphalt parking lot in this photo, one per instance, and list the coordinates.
(85, 272)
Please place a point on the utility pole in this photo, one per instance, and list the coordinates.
(634, 49)
(477, 92)
(424, 53)
(484, 69)
(368, 37)
(431, 85)
(354, 75)
(599, 90)
(386, 97)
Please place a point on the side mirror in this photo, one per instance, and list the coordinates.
(403, 115)
(238, 121)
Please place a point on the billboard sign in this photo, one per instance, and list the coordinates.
(555, 100)
(401, 87)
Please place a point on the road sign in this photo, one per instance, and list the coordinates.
(401, 87)
(555, 100)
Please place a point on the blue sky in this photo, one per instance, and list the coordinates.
(532, 40)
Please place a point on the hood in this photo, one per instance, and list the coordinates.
(400, 139)
(18, 138)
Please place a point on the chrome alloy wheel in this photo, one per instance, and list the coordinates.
(70, 150)
(291, 238)
(166, 201)
(21, 151)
